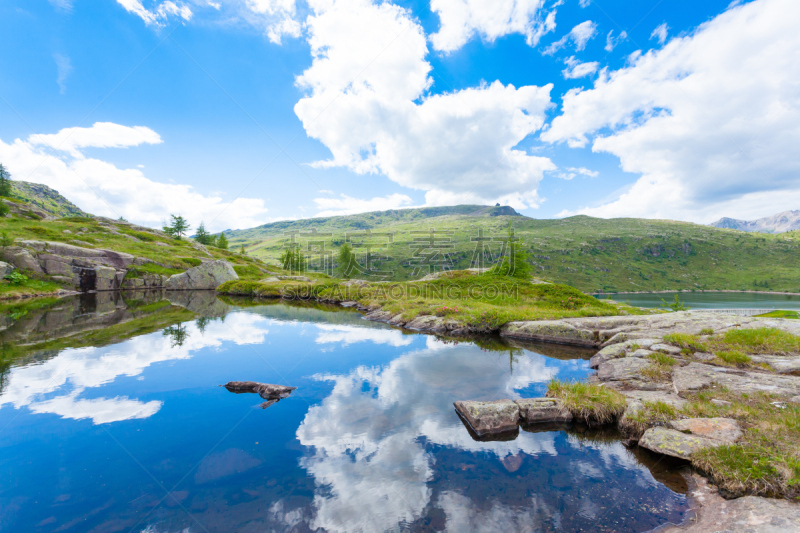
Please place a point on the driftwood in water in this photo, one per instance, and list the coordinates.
(271, 393)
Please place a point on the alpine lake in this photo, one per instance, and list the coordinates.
(113, 418)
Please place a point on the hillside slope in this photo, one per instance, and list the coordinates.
(45, 198)
(780, 223)
(592, 254)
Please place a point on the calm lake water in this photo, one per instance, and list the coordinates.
(712, 300)
(112, 419)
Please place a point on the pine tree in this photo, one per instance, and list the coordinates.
(347, 260)
(178, 227)
(5, 181)
(222, 241)
(242, 251)
(201, 235)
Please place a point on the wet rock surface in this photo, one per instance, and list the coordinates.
(498, 416)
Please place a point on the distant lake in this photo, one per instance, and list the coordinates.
(710, 300)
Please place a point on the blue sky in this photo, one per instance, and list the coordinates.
(241, 112)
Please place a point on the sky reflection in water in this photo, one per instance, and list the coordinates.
(137, 436)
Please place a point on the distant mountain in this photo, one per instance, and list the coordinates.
(780, 223)
(375, 219)
(45, 198)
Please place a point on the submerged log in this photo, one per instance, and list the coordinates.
(265, 390)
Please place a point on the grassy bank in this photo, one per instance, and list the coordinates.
(483, 302)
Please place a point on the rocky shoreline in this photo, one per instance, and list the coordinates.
(624, 344)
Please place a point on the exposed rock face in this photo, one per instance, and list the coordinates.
(695, 376)
(557, 331)
(674, 443)
(540, 410)
(624, 369)
(5, 269)
(497, 416)
(209, 275)
(604, 331)
(725, 430)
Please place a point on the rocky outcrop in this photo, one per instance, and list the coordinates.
(696, 376)
(604, 331)
(5, 269)
(542, 410)
(93, 269)
(207, 276)
(498, 416)
(724, 430)
(674, 443)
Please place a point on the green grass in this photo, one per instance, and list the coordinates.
(733, 358)
(152, 268)
(766, 459)
(30, 287)
(732, 346)
(651, 414)
(588, 402)
(780, 314)
(483, 302)
(660, 368)
(588, 253)
(706, 331)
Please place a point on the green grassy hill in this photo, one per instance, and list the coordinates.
(589, 253)
(45, 198)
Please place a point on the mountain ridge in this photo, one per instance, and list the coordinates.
(777, 223)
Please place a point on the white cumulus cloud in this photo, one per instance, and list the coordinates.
(366, 101)
(577, 69)
(159, 13)
(711, 121)
(331, 206)
(490, 19)
(579, 36)
(101, 188)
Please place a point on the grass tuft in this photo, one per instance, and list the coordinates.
(588, 402)
(651, 414)
(733, 358)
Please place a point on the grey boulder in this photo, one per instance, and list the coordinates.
(496, 416)
(541, 410)
(209, 275)
(674, 443)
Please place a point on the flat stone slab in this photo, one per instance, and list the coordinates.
(725, 430)
(695, 376)
(666, 348)
(556, 331)
(674, 443)
(542, 410)
(780, 363)
(484, 418)
(655, 396)
(623, 369)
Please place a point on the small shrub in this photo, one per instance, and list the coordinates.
(16, 278)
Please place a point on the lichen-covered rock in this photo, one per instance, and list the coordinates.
(550, 331)
(674, 443)
(540, 410)
(725, 430)
(641, 353)
(782, 364)
(5, 269)
(209, 275)
(666, 348)
(22, 259)
(623, 369)
(613, 351)
(696, 376)
(427, 323)
(489, 417)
